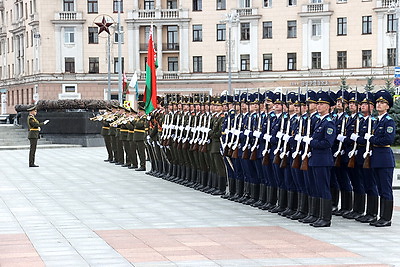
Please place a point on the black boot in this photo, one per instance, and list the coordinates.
(325, 216)
(335, 199)
(313, 210)
(358, 207)
(262, 196)
(193, 178)
(291, 205)
(221, 186)
(272, 195)
(385, 214)
(372, 210)
(346, 203)
(239, 190)
(211, 183)
(246, 193)
(205, 176)
(231, 188)
(255, 194)
(267, 203)
(282, 201)
(301, 212)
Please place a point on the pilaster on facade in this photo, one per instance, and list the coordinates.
(184, 47)
(159, 50)
(380, 40)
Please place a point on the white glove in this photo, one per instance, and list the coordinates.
(187, 128)
(236, 132)
(341, 137)
(367, 136)
(267, 138)
(294, 155)
(286, 137)
(279, 134)
(307, 139)
(257, 134)
(354, 137)
(298, 137)
(227, 131)
(148, 138)
(46, 122)
(247, 132)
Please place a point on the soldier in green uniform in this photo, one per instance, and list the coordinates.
(33, 135)
(113, 132)
(139, 137)
(132, 144)
(105, 132)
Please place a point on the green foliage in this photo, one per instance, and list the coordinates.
(394, 112)
(369, 86)
(343, 83)
(389, 85)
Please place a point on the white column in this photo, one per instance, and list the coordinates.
(158, 4)
(235, 47)
(79, 62)
(159, 49)
(254, 46)
(184, 47)
(380, 40)
(135, 4)
(58, 44)
(325, 60)
(305, 64)
(132, 44)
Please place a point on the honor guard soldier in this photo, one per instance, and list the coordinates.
(382, 159)
(321, 159)
(139, 136)
(33, 135)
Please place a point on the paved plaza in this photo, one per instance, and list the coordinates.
(76, 210)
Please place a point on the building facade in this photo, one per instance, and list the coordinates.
(52, 49)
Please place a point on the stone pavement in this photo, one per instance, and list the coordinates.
(76, 210)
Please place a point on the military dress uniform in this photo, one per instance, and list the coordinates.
(139, 137)
(33, 135)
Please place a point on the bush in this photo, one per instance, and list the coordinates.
(61, 105)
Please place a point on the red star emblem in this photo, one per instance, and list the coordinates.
(103, 25)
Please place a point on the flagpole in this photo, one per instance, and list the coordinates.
(119, 55)
(109, 68)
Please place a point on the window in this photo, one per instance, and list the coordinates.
(121, 34)
(366, 24)
(316, 60)
(197, 5)
(391, 23)
(391, 57)
(70, 64)
(245, 31)
(291, 61)
(267, 3)
(366, 58)
(69, 88)
(197, 64)
(69, 34)
(267, 62)
(341, 26)
(221, 32)
(172, 64)
(116, 65)
(291, 29)
(148, 4)
(342, 59)
(197, 33)
(316, 27)
(93, 35)
(69, 5)
(172, 38)
(93, 6)
(244, 3)
(244, 62)
(221, 4)
(292, 2)
(267, 30)
(172, 4)
(93, 65)
(120, 4)
(221, 63)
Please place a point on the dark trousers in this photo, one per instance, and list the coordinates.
(384, 180)
(133, 153)
(141, 149)
(32, 150)
(107, 141)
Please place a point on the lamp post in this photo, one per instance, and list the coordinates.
(230, 19)
(119, 55)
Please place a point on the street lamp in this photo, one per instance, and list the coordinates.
(119, 54)
(230, 19)
(394, 8)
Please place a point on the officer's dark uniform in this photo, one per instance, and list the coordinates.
(139, 137)
(33, 135)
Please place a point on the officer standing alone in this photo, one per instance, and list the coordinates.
(33, 135)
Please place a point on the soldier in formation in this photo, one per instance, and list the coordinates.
(295, 154)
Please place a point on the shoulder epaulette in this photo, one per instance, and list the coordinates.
(328, 118)
(334, 115)
(272, 114)
(373, 118)
(346, 115)
(388, 117)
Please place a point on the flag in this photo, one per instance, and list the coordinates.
(134, 84)
(150, 91)
(125, 88)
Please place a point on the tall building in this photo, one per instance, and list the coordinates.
(52, 49)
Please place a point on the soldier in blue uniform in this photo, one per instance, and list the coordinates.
(382, 159)
(321, 160)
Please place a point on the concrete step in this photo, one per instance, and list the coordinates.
(24, 142)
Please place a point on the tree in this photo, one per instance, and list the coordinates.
(394, 112)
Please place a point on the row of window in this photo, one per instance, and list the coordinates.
(25, 96)
(245, 62)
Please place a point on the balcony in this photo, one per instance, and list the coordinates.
(68, 17)
(18, 25)
(385, 3)
(160, 14)
(316, 9)
(170, 47)
(247, 12)
(170, 75)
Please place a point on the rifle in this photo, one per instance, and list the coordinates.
(224, 144)
(277, 158)
(368, 151)
(304, 157)
(353, 152)
(253, 149)
(286, 148)
(296, 154)
(184, 141)
(245, 148)
(234, 152)
(338, 154)
(265, 152)
(206, 129)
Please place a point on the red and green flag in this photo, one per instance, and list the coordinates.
(150, 91)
